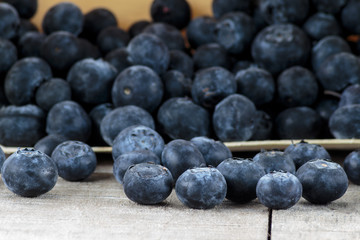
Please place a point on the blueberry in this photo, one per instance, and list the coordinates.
(256, 84)
(279, 190)
(322, 181)
(214, 152)
(182, 62)
(29, 44)
(137, 27)
(122, 117)
(352, 166)
(137, 137)
(241, 177)
(97, 20)
(280, 46)
(235, 31)
(297, 86)
(70, 120)
(200, 31)
(91, 81)
(29, 173)
(2, 158)
(201, 188)
(96, 115)
(288, 126)
(338, 71)
(329, 6)
(64, 16)
(48, 143)
(147, 183)
(221, 7)
(25, 26)
(181, 118)
(139, 86)
(242, 65)
(112, 38)
(351, 95)
(263, 126)
(21, 126)
(124, 161)
(180, 155)
(326, 106)
(51, 92)
(170, 35)
(345, 122)
(87, 49)
(275, 160)
(176, 84)
(211, 85)
(8, 55)
(350, 16)
(303, 152)
(284, 11)
(119, 59)
(211, 55)
(23, 78)
(234, 118)
(25, 8)
(9, 21)
(321, 25)
(174, 12)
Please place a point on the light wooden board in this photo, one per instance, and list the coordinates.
(337, 220)
(98, 209)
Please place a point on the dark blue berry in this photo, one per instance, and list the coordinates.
(119, 59)
(112, 38)
(52, 92)
(351, 95)
(174, 12)
(345, 122)
(352, 166)
(275, 161)
(9, 21)
(321, 25)
(200, 31)
(49, 143)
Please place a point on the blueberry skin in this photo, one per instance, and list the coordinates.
(180, 155)
(139, 86)
(297, 86)
(2, 158)
(52, 92)
(148, 50)
(124, 161)
(235, 31)
(170, 35)
(200, 31)
(181, 118)
(256, 84)
(201, 188)
(91, 81)
(329, 6)
(211, 55)
(303, 152)
(263, 126)
(64, 16)
(214, 152)
(96, 115)
(137, 137)
(322, 181)
(118, 58)
(97, 20)
(350, 16)
(137, 27)
(122, 117)
(24, 27)
(9, 21)
(70, 120)
(29, 173)
(338, 71)
(8, 55)
(87, 49)
(112, 38)
(211, 85)
(29, 44)
(284, 11)
(176, 84)
(48, 143)
(147, 183)
(21, 125)
(280, 46)
(321, 25)
(182, 62)
(352, 166)
(327, 47)
(279, 190)
(241, 177)
(221, 7)
(351, 95)
(234, 118)
(288, 126)
(275, 161)
(326, 106)
(24, 77)
(25, 8)
(174, 12)
(345, 122)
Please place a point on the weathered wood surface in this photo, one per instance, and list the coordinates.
(98, 209)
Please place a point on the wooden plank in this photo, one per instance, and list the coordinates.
(337, 220)
(98, 209)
